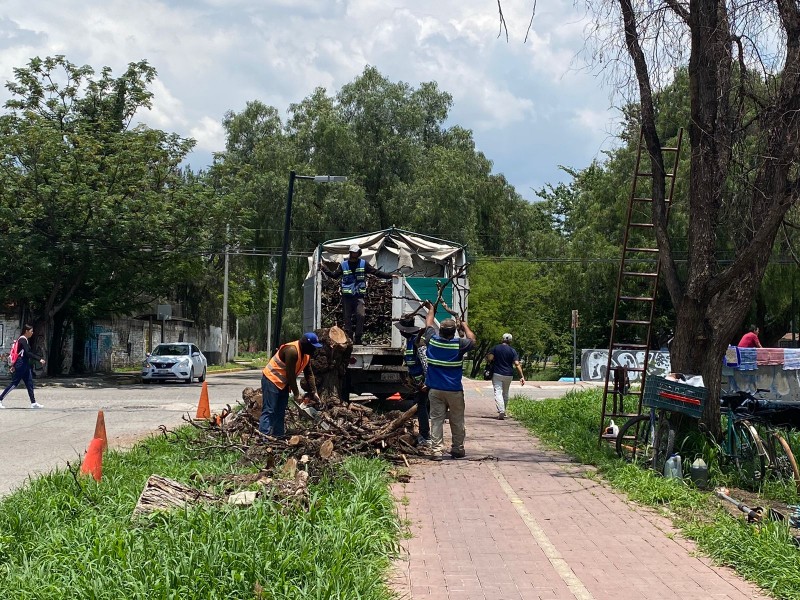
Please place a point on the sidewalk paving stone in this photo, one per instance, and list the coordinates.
(517, 521)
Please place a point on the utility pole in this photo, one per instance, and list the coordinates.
(269, 323)
(224, 354)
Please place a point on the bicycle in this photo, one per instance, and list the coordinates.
(758, 455)
(649, 439)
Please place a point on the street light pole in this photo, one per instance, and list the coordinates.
(285, 247)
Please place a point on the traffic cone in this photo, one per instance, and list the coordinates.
(93, 461)
(203, 410)
(100, 429)
(396, 396)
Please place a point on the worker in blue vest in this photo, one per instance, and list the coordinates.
(416, 362)
(353, 273)
(445, 354)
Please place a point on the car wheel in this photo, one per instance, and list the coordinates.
(146, 381)
(202, 377)
(191, 376)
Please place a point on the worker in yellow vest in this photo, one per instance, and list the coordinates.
(279, 378)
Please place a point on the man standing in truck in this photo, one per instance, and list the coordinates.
(445, 366)
(353, 273)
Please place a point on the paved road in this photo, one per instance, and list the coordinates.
(36, 441)
(528, 524)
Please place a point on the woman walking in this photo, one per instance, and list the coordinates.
(22, 367)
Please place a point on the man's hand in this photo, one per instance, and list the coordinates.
(522, 381)
(41, 361)
(427, 304)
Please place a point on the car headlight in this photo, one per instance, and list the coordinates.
(185, 362)
(146, 365)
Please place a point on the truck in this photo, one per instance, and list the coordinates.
(424, 264)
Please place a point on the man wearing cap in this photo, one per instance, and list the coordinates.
(445, 355)
(279, 377)
(416, 363)
(353, 272)
(502, 359)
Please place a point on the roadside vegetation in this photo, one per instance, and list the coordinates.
(64, 538)
(764, 554)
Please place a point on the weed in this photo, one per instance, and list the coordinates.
(53, 540)
(764, 554)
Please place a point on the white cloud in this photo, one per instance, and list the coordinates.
(210, 135)
(215, 55)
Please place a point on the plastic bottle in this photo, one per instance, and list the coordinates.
(673, 468)
(699, 472)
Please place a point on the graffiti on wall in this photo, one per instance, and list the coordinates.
(594, 363)
(97, 349)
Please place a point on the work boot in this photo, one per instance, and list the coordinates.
(457, 453)
(501, 416)
(424, 442)
(437, 457)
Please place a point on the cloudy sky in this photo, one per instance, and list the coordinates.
(532, 106)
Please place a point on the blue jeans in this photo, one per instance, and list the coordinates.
(22, 372)
(273, 408)
(423, 413)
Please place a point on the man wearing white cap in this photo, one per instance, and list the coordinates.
(502, 359)
(353, 272)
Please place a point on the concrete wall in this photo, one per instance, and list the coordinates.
(594, 361)
(124, 342)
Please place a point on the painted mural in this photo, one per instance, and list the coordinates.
(594, 363)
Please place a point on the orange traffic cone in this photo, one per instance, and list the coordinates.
(396, 396)
(93, 461)
(100, 429)
(203, 410)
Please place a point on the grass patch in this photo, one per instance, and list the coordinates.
(57, 541)
(763, 554)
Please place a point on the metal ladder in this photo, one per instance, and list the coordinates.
(637, 285)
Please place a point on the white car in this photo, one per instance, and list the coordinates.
(179, 360)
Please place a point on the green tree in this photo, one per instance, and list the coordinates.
(95, 213)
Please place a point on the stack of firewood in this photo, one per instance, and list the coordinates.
(378, 304)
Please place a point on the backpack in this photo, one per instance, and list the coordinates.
(13, 355)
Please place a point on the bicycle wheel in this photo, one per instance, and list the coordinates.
(781, 458)
(664, 442)
(635, 440)
(748, 454)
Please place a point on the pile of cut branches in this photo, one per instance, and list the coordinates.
(339, 429)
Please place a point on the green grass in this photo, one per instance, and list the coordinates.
(58, 541)
(764, 554)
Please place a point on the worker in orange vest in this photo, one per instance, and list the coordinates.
(279, 377)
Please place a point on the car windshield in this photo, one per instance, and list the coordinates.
(171, 350)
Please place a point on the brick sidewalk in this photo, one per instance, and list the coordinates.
(530, 525)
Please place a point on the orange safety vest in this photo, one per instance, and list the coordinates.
(275, 370)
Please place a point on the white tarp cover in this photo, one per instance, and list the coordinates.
(403, 245)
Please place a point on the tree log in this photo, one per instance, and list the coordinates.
(160, 493)
(330, 365)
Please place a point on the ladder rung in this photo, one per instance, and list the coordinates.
(624, 346)
(632, 322)
(650, 175)
(637, 298)
(634, 274)
(646, 225)
(669, 149)
(641, 249)
(622, 415)
(642, 199)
